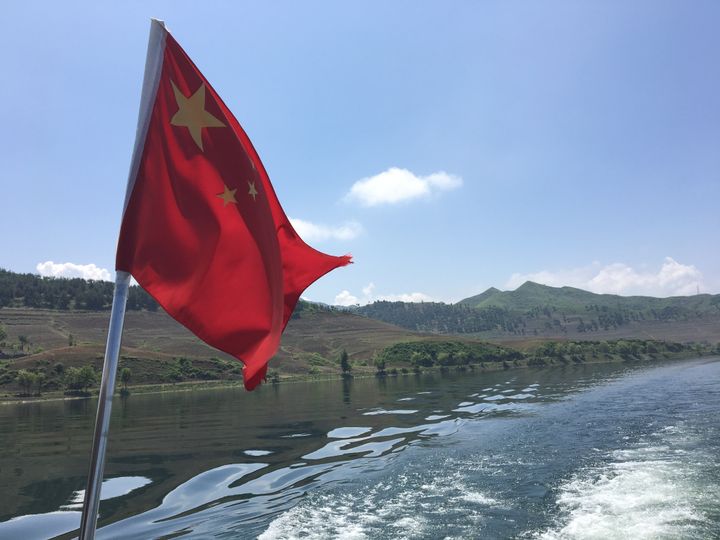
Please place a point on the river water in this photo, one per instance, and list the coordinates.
(594, 451)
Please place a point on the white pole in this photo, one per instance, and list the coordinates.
(102, 421)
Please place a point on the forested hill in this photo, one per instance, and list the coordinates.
(573, 301)
(531, 310)
(33, 291)
(539, 310)
(442, 318)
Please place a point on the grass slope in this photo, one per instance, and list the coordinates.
(159, 350)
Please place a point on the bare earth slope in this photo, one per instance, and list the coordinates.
(154, 344)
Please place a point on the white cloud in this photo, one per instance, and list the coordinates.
(406, 297)
(345, 298)
(671, 279)
(72, 270)
(397, 185)
(313, 232)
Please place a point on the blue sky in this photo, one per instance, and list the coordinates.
(449, 146)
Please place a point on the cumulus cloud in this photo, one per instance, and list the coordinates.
(313, 232)
(406, 297)
(72, 270)
(397, 185)
(368, 290)
(345, 298)
(671, 279)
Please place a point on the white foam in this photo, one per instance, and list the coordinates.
(314, 523)
(478, 498)
(352, 517)
(643, 493)
(401, 507)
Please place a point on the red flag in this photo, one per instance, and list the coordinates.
(203, 231)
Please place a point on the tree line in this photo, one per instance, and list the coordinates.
(442, 318)
(438, 317)
(32, 291)
(444, 354)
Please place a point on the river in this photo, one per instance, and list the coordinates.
(586, 451)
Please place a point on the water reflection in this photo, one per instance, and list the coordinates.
(178, 461)
(111, 488)
(68, 518)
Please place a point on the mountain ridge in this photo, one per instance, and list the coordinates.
(566, 312)
(538, 292)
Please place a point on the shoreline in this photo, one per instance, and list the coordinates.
(192, 386)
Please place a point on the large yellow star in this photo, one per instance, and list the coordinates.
(228, 196)
(192, 114)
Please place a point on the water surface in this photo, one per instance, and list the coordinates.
(577, 452)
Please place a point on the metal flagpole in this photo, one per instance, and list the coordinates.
(91, 504)
(102, 421)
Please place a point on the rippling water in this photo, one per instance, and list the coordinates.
(580, 452)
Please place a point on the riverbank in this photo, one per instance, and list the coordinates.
(483, 367)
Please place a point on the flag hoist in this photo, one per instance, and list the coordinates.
(202, 232)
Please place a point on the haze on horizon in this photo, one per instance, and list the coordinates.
(450, 149)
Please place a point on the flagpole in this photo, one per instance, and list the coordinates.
(102, 421)
(91, 503)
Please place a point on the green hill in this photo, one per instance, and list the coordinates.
(475, 301)
(570, 300)
(559, 312)
(51, 328)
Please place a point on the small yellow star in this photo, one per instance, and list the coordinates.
(253, 192)
(192, 114)
(228, 196)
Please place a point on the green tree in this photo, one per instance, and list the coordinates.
(26, 380)
(345, 363)
(80, 378)
(24, 340)
(380, 366)
(88, 377)
(3, 334)
(125, 376)
(39, 382)
(71, 340)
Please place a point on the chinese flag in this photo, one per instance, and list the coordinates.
(203, 231)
